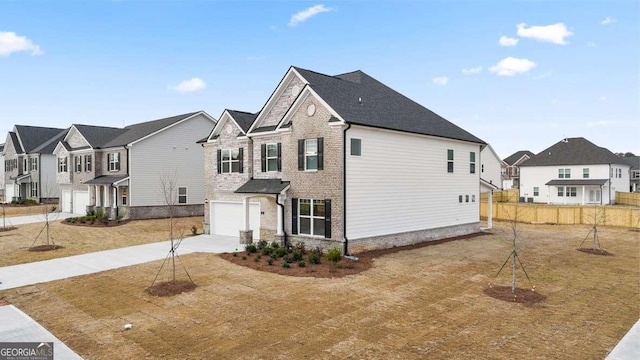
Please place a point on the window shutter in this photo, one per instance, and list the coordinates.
(240, 162)
(301, 154)
(320, 155)
(263, 156)
(219, 160)
(327, 219)
(294, 216)
(279, 161)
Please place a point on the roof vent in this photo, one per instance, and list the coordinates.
(360, 100)
(549, 153)
(565, 140)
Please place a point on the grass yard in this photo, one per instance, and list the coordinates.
(416, 304)
(22, 210)
(80, 239)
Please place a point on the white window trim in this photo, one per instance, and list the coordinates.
(472, 162)
(312, 217)
(63, 163)
(113, 161)
(453, 156)
(186, 195)
(267, 157)
(90, 162)
(230, 161)
(308, 154)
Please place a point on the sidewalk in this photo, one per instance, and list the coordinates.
(629, 347)
(30, 219)
(62, 268)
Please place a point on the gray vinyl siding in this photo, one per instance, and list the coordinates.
(48, 168)
(173, 150)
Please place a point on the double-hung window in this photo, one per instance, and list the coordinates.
(536, 191)
(34, 189)
(450, 160)
(564, 173)
(311, 217)
(24, 166)
(87, 163)
(560, 191)
(114, 162)
(310, 154)
(270, 155)
(33, 162)
(585, 173)
(78, 163)
(182, 195)
(472, 162)
(230, 161)
(571, 191)
(62, 164)
(125, 194)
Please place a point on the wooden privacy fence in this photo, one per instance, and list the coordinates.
(510, 196)
(564, 214)
(627, 198)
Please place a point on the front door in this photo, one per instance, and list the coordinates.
(594, 196)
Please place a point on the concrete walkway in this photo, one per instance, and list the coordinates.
(62, 268)
(629, 347)
(19, 327)
(30, 219)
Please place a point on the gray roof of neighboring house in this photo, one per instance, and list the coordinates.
(363, 100)
(97, 136)
(243, 118)
(48, 146)
(105, 179)
(16, 144)
(263, 186)
(517, 155)
(138, 131)
(561, 182)
(34, 136)
(633, 161)
(574, 151)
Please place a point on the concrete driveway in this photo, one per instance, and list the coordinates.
(30, 219)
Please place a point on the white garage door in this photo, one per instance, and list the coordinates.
(80, 202)
(65, 201)
(226, 218)
(10, 193)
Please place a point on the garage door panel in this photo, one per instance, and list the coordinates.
(65, 202)
(226, 218)
(80, 202)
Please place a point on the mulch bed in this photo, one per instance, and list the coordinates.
(45, 247)
(170, 288)
(110, 223)
(327, 269)
(593, 251)
(526, 297)
(8, 228)
(3, 302)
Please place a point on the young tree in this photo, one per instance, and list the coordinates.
(46, 191)
(169, 190)
(597, 218)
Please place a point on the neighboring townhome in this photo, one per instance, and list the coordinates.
(29, 164)
(2, 198)
(490, 178)
(573, 171)
(510, 170)
(634, 172)
(341, 161)
(121, 170)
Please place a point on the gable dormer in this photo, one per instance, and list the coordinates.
(232, 124)
(75, 139)
(280, 101)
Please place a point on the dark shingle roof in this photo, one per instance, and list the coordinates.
(517, 155)
(380, 106)
(2, 147)
(564, 182)
(34, 136)
(16, 143)
(573, 151)
(48, 146)
(633, 161)
(138, 131)
(243, 118)
(262, 186)
(97, 136)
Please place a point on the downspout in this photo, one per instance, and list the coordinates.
(344, 190)
(283, 220)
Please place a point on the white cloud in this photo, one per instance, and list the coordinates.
(598, 123)
(555, 33)
(10, 42)
(511, 66)
(475, 70)
(191, 85)
(507, 41)
(608, 20)
(308, 13)
(442, 80)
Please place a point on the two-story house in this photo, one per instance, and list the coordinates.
(573, 171)
(342, 161)
(634, 172)
(511, 170)
(2, 198)
(121, 170)
(29, 165)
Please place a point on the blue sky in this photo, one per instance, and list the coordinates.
(519, 75)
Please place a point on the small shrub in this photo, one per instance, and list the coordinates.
(244, 257)
(273, 256)
(262, 244)
(296, 255)
(286, 265)
(54, 208)
(301, 263)
(270, 261)
(275, 244)
(256, 259)
(281, 252)
(119, 218)
(299, 246)
(314, 258)
(91, 212)
(234, 254)
(317, 250)
(268, 250)
(194, 230)
(334, 255)
(250, 248)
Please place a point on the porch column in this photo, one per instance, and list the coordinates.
(246, 235)
(583, 189)
(106, 196)
(490, 211)
(97, 190)
(92, 194)
(115, 203)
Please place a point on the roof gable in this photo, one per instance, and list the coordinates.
(97, 136)
(517, 156)
(573, 151)
(32, 137)
(240, 120)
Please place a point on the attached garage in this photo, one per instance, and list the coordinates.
(226, 218)
(10, 193)
(65, 201)
(80, 202)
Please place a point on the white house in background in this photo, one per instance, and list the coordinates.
(2, 199)
(573, 171)
(490, 177)
(119, 170)
(342, 161)
(29, 165)
(511, 170)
